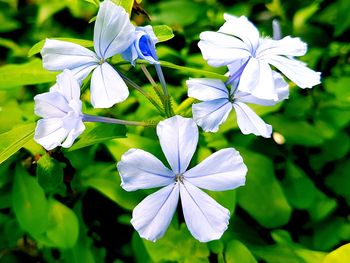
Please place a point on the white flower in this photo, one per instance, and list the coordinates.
(113, 33)
(238, 45)
(61, 112)
(205, 218)
(218, 103)
(143, 47)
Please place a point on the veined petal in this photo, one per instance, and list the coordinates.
(242, 28)
(257, 79)
(220, 50)
(107, 87)
(51, 105)
(249, 122)
(205, 218)
(113, 31)
(206, 89)
(178, 138)
(287, 46)
(68, 86)
(73, 134)
(296, 71)
(223, 170)
(141, 170)
(59, 55)
(80, 73)
(153, 215)
(211, 114)
(49, 133)
(282, 89)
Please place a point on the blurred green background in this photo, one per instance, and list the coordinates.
(66, 205)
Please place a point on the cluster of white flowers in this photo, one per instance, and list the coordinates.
(236, 45)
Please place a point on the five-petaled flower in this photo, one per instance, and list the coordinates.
(61, 112)
(218, 102)
(238, 45)
(113, 34)
(205, 218)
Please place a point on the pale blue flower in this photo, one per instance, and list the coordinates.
(113, 34)
(239, 46)
(143, 46)
(205, 218)
(61, 112)
(218, 102)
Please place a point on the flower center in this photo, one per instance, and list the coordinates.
(102, 61)
(179, 178)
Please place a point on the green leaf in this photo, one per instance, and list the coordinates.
(29, 202)
(163, 32)
(126, 4)
(342, 18)
(98, 134)
(29, 73)
(38, 46)
(339, 180)
(299, 189)
(64, 225)
(49, 172)
(15, 139)
(105, 179)
(340, 255)
(238, 252)
(304, 14)
(262, 196)
(291, 129)
(177, 245)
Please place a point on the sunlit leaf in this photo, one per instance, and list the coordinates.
(25, 74)
(15, 139)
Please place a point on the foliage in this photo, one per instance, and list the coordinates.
(66, 205)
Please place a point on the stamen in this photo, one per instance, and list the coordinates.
(179, 178)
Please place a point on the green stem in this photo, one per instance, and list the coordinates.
(137, 87)
(92, 118)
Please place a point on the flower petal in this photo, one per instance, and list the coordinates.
(296, 71)
(59, 55)
(113, 32)
(141, 170)
(205, 218)
(257, 79)
(68, 86)
(249, 122)
(211, 114)
(287, 46)
(51, 105)
(206, 89)
(49, 133)
(220, 50)
(281, 87)
(242, 28)
(223, 170)
(153, 215)
(178, 138)
(80, 73)
(73, 134)
(107, 87)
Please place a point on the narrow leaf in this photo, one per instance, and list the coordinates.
(15, 139)
(98, 134)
